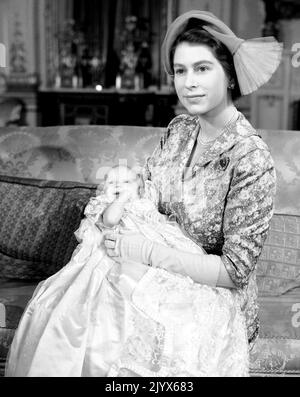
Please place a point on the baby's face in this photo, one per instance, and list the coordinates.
(121, 180)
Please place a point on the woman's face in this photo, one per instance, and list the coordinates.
(200, 80)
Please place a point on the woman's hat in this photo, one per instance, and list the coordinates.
(255, 60)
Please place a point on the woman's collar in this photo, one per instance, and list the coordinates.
(236, 131)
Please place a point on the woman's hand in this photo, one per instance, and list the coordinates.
(128, 246)
(204, 269)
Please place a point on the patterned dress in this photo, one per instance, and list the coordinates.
(227, 204)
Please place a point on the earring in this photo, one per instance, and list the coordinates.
(231, 86)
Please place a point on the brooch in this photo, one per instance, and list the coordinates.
(224, 161)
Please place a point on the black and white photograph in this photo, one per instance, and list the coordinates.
(149, 191)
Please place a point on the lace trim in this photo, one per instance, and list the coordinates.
(167, 304)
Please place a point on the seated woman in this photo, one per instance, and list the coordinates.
(217, 158)
(146, 305)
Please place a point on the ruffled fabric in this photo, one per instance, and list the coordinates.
(256, 61)
(183, 329)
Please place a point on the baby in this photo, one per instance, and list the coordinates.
(127, 202)
(122, 186)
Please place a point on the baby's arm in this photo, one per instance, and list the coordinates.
(114, 212)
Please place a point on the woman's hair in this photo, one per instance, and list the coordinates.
(196, 35)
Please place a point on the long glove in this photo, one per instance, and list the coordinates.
(203, 269)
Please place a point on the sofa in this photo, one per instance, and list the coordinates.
(48, 174)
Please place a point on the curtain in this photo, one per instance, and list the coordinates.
(159, 13)
(56, 12)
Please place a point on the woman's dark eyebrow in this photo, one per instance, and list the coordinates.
(195, 64)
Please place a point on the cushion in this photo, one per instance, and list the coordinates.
(275, 356)
(277, 350)
(278, 270)
(38, 219)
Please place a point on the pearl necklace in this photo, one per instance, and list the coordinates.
(220, 132)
